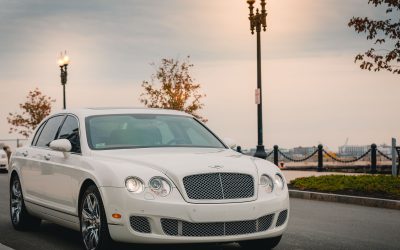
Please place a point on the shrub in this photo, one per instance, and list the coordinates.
(366, 184)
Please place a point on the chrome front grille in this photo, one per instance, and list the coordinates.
(182, 228)
(219, 186)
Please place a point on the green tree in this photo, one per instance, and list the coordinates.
(386, 36)
(36, 107)
(172, 87)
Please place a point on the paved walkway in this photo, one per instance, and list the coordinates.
(293, 174)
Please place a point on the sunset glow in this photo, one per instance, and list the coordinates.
(312, 90)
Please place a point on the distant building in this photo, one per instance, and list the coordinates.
(386, 149)
(351, 150)
(304, 151)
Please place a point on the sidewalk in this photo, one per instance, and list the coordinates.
(293, 174)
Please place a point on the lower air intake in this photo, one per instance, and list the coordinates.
(140, 224)
(282, 218)
(183, 228)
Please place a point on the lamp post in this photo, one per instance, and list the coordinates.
(258, 21)
(63, 62)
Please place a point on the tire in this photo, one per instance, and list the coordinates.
(93, 221)
(269, 243)
(20, 218)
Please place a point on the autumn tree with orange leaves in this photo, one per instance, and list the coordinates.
(34, 110)
(172, 87)
(386, 36)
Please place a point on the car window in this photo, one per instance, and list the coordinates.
(70, 131)
(147, 130)
(166, 133)
(196, 136)
(35, 138)
(49, 131)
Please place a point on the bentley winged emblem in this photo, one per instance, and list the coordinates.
(216, 166)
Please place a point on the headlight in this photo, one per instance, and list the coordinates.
(160, 186)
(267, 183)
(279, 182)
(134, 185)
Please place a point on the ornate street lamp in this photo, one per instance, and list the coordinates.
(258, 20)
(63, 62)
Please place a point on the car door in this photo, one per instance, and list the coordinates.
(34, 165)
(62, 183)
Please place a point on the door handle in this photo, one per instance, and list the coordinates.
(25, 153)
(47, 157)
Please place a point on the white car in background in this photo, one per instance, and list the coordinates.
(3, 160)
(145, 176)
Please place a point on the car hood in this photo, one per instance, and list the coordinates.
(177, 163)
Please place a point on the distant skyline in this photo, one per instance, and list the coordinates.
(312, 90)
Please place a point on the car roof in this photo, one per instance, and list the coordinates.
(121, 110)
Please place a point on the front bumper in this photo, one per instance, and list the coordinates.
(174, 207)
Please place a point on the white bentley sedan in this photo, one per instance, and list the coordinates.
(145, 176)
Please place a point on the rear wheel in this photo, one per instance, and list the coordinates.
(94, 228)
(261, 244)
(20, 218)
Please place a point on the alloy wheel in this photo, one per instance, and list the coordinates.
(16, 201)
(91, 222)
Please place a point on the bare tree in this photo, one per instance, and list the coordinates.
(382, 32)
(36, 107)
(177, 88)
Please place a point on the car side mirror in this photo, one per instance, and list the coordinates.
(231, 143)
(62, 145)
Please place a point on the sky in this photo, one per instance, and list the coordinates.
(312, 90)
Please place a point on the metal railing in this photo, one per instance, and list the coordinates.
(321, 154)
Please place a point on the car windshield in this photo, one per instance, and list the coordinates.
(147, 130)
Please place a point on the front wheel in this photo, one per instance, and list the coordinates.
(261, 244)
(93, 222)
(20, 218)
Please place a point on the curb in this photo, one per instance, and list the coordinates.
(356, 200)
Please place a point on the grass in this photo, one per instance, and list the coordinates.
(380, 186)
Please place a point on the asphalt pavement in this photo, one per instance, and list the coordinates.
(313, 225)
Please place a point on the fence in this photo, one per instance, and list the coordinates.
(320, 153)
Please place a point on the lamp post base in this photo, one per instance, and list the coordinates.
(260, 152)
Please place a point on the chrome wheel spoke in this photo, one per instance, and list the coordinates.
(96, 211)
(86, 239)
(15, 202)
(16, 189)
(85, 215)
(96, 235)
(89, 204)
(92, 238)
